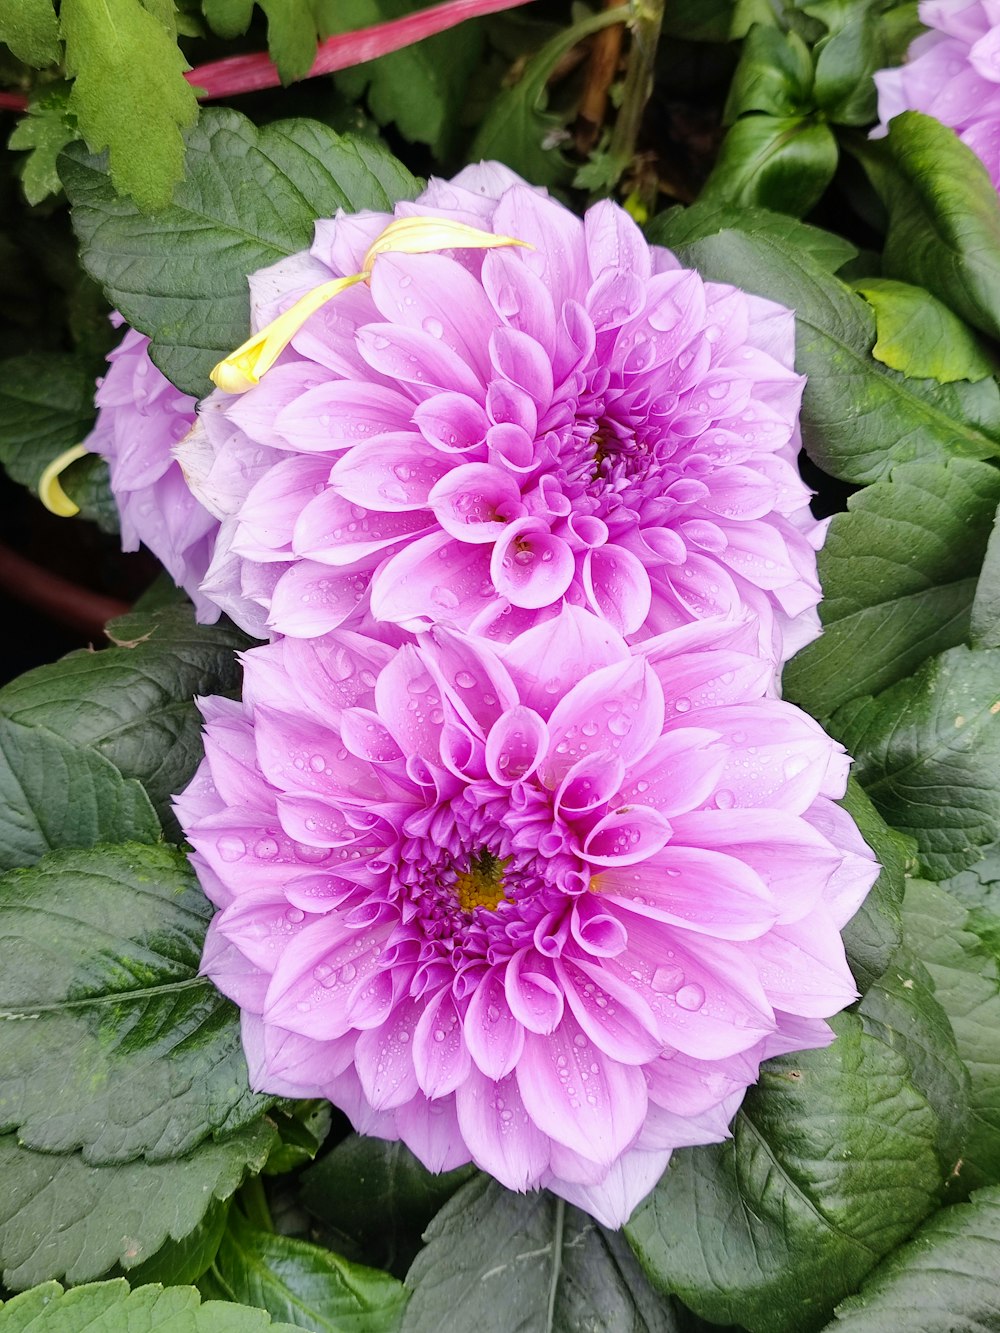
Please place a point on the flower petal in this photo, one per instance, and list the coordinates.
(579, 1096)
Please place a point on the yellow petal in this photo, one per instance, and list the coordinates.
(421, 235)
(242, 369)
(50, 492)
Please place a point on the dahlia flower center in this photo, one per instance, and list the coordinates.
(482, 884)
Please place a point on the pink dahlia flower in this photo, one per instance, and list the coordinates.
(484, 437)
(952, 73)
(142, 417)
(544, 904)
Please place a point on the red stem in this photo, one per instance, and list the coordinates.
(56, 597)
(245, 74)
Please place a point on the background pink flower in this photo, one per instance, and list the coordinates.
(953, 73)
(484, 438)
(544, 904)
(141, 418)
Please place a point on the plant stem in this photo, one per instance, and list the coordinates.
(605, 52)
(638, 82)
(254, 1203)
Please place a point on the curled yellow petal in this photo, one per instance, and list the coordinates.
(421, 235)
(50, 490)
(242, 369)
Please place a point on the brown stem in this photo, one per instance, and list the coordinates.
(605, 53)
(56, 597)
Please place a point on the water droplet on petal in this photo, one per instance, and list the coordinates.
(666, 979)
(691, 997)
(231, 848)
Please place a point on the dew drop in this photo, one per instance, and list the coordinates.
(465, 680)
(433, 326)
(231, 848)
(691, 997)
(666, 979)
(444, 597)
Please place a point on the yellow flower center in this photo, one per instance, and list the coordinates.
(482, 884)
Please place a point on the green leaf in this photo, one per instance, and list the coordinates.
(111, 1308)
(965, 977)
(43, 133)
(134, 704)
(927, 752)
(919, 336)
(681, 226)
(845, 62)
(517, 129)
(715, 20)
(527, 1262)
(423, 88)
(54, 794)
(380, 1196)
(129, 94)
(228, 18)
(249, 198)
(778, 162)
(859, 419)
(60, 1217)
(46, 406)
(112, 1041)
(947, 1273)
(978, 888)
(31, 30)
(902, 1011)
(899, 573)
(830, 1167)
(178, 1262)
(984, 618)
(944, 216)
(87, 482)
(900, 26)
(293, 29)
(875, 931)
(304, 1284)
(775, 75)
(301, 1130)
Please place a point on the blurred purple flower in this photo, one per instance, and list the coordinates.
(141, 419)
(543, 904)
(482, 438)
(952, 73)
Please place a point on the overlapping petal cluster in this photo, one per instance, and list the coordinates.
(952, 73)
(141, 418)
(484, 437)
(542, 903)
